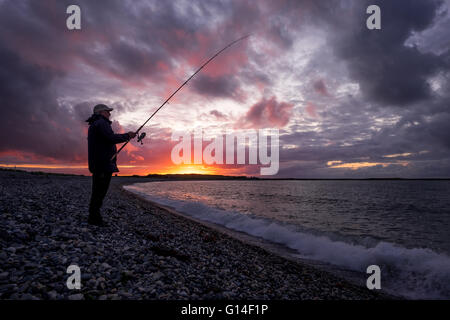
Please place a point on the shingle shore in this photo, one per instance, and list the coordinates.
(145, 252)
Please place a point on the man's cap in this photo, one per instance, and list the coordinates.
(102, 107)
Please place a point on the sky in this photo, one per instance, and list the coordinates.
(348, 102)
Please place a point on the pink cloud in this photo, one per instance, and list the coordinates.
(266, 113)
(311, 110)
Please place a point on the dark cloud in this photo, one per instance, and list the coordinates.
(31, 119)
(218, 114)
(125, 39)
(128, 60)
(224, 87)
(319, 87)
(388, 71)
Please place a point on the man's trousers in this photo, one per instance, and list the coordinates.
(100, 185)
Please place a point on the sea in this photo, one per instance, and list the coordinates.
(402, 226)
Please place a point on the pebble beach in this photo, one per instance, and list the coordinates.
(144, 252)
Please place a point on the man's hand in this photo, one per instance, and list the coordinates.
(131, 134)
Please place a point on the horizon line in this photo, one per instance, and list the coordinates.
(230, 177)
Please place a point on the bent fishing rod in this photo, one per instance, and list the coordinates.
(141, 136)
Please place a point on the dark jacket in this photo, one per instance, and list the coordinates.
(102, 144)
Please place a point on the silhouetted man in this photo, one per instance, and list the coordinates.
(101, 148)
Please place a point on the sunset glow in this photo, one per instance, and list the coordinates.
(358, 165)
(187, 169)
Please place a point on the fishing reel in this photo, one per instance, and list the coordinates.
(140, 137)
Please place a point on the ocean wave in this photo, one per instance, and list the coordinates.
(417, 273)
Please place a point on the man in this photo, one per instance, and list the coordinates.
(101, 148)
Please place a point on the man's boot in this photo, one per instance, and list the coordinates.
(96, 219)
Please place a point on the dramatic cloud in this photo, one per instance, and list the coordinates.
(225, 87)
(388, 71)
(349, 101)
(31, 119)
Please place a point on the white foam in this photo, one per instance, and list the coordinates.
(414, 273)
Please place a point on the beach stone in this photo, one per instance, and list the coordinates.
(105, 265)
(77, 296)
(52, 295)
(157, 275)
(125, 294)
(28, 296)
(85, 276)
(11, 249)
(4, 275)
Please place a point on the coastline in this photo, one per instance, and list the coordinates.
(145, 252)
(356, 278)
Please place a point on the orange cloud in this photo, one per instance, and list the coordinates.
(358, 165)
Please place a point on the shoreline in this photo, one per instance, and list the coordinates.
(356, 278)
(145, 252)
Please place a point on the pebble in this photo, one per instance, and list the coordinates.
(143, 252)
(4, 275)
(53, 294)
(77, 296)
(11, 249)
(157, 275)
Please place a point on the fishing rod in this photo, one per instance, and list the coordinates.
(142, 135)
